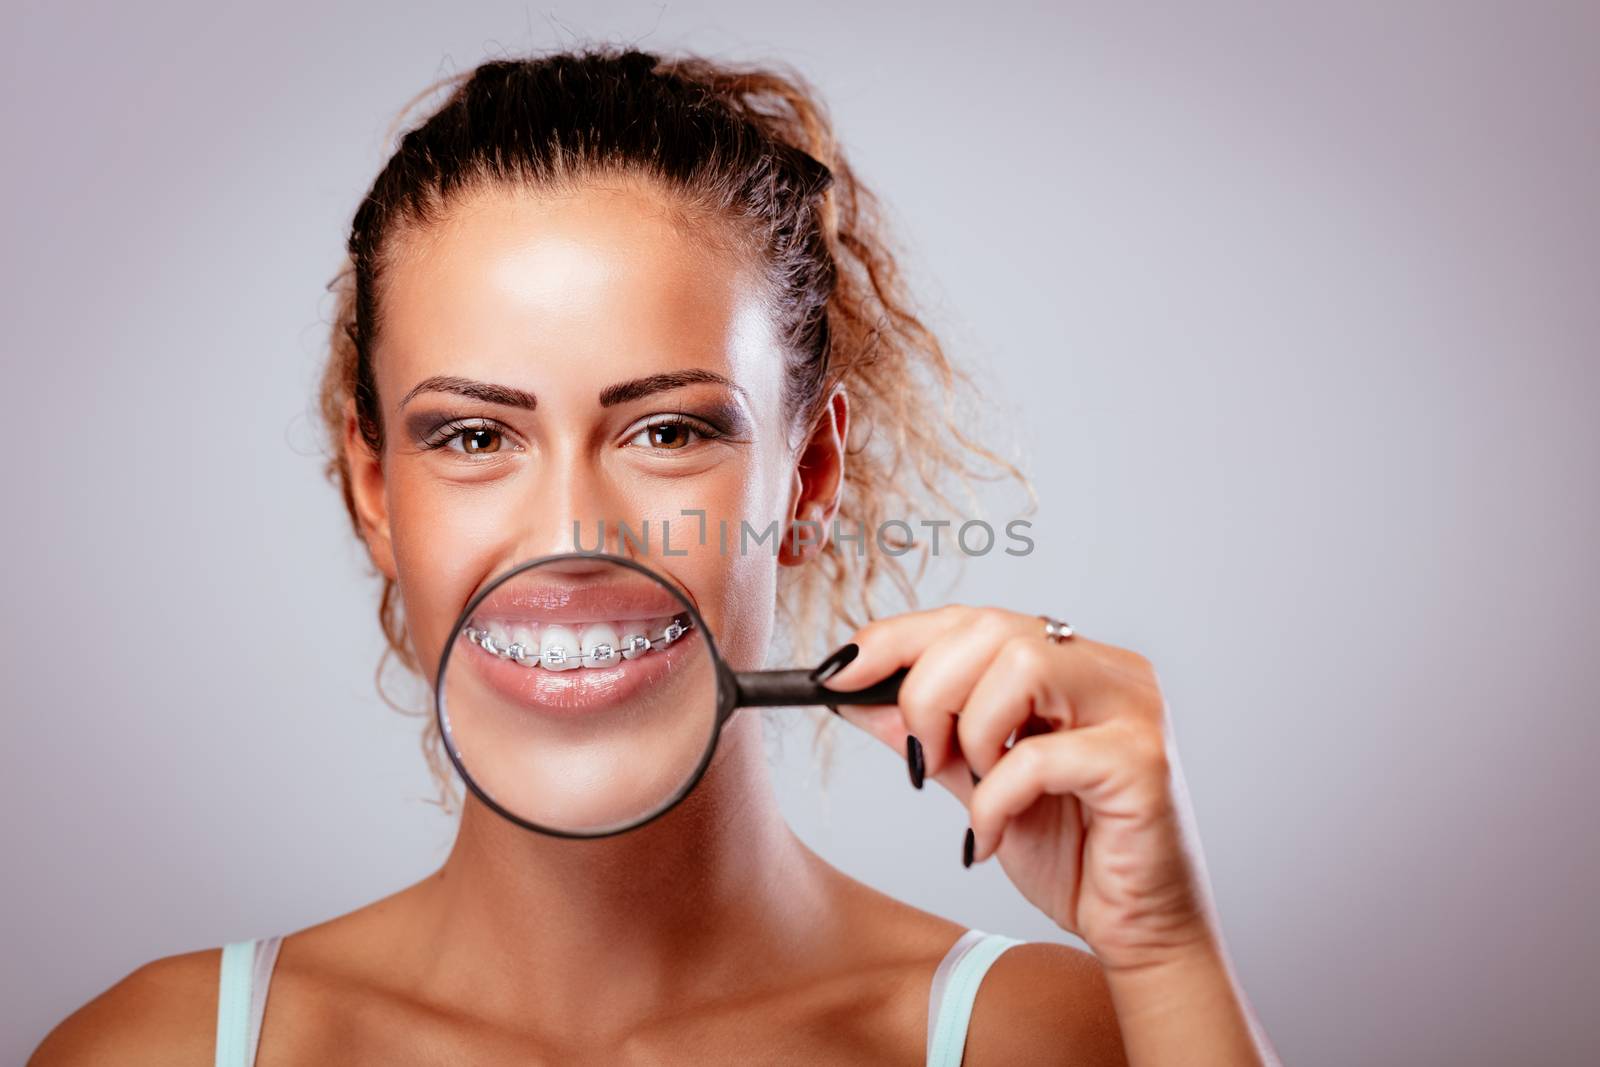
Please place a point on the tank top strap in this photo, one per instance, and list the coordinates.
(246, 975)
(955, 989)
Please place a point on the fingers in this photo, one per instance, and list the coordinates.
(882, 647)
(937, 688)
(948, 650)
(1116, 769)
(980, 677)
(891, 643)
(1025, 680)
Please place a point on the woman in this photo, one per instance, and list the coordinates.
(599, 284)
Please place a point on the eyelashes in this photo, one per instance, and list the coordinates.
(484, 430)
(679, 423)
(483, 437)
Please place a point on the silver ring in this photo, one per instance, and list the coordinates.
(1056, 630)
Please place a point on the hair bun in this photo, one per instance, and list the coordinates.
(636, 64)
(821, 177)
(815, 177)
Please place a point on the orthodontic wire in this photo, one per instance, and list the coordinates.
(604, 655)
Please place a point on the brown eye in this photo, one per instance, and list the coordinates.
(668, 435)
(673, 434)
(475, 438)
(477, 442)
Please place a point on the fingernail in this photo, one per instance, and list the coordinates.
(835, 663)
(914, 760)
(966, 848)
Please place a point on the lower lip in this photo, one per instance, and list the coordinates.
(578, 691)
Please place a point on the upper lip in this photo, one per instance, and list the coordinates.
(534, 597)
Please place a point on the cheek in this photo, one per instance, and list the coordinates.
(747, 613)
(445, 548)
(733, 574)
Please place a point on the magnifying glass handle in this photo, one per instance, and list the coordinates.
(778, 689)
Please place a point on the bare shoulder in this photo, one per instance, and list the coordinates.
(1043, 1002)
(164, 1012)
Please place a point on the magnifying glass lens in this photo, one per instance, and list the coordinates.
(578, 695)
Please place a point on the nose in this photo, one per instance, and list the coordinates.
(571, 506)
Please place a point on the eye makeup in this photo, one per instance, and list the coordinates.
(725, 416)
(678, 421)
(435, 430)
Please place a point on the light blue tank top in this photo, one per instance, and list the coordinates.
(247, 974)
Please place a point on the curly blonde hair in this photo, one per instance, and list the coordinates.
(749, 147)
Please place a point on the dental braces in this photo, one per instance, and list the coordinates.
(556, 657)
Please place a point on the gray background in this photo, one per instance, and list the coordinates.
(1292, 309)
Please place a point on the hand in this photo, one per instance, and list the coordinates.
(1087, 810)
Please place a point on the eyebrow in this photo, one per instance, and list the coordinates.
(488, 393)
(623, 392)
(612, 395)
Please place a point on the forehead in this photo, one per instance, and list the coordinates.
(606, 282)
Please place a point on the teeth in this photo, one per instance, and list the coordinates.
(501, 638)
(599, 644)
(558, 651)
(527, 637)
(564, 648)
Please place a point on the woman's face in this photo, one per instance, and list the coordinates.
(551, 360)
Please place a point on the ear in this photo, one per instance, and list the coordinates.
(367, 493)
(818, 484)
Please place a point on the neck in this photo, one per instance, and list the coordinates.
(641, 915)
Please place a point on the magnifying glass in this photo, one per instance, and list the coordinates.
(581, 694)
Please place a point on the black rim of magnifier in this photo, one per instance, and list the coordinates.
(727, 695)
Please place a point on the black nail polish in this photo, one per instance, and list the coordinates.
(966, 848)
(915, 763)
(835, 663)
